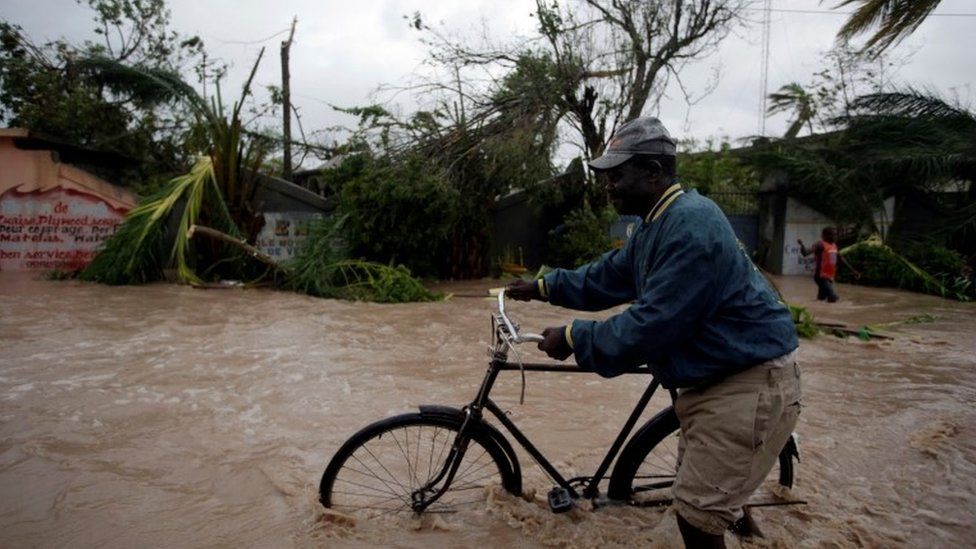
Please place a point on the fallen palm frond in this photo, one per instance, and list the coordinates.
(135, 253)
(221, 188)
(368, 281)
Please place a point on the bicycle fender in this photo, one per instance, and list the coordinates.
(440, 411)
(493, 435)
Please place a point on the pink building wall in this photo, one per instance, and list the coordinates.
(52, 215)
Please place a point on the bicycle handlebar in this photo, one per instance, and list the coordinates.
(510, 326)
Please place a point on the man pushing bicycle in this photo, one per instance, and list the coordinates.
(701, 316)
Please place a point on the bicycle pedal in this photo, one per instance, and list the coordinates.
(559, 500)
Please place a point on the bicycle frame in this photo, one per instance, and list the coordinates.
(591, 489)
(475, 413)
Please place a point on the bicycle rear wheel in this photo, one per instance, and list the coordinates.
(645, 471)
(377, 470)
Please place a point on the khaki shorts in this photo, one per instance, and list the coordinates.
(731, 435)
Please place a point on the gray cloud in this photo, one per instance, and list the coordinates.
(344, 50)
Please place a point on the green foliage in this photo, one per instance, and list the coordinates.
(367, 281)
(583, 237)
(805, 327)
(712, 169)
(312, 270)
(136, 253)
(52, 90)
(322, 269)
(880, 265)
(891, 20)
(422, 188)
(941, 262)
(218, 192)
(398, 210)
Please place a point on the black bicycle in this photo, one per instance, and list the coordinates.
(442, 458)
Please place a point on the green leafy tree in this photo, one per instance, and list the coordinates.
(582, 238)
(596, 64)
(461, 155)
(50, 90)
(399, 210)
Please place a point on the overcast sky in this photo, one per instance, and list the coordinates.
(344, 50)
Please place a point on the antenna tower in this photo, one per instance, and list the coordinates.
(764, 70)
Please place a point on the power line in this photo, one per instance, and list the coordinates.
(833, 12)
(251, 42)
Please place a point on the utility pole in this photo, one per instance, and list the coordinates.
(286, 100)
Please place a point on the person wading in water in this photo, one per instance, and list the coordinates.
(825, 269)
(700, 314)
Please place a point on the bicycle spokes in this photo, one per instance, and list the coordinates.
(413, 468)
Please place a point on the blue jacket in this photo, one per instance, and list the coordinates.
(700, 309)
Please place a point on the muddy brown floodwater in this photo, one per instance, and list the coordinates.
(166, 416)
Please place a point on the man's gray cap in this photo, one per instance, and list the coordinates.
(644, 135)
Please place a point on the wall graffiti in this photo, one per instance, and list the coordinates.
(53, 229)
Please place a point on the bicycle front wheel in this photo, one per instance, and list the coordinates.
(377, 470)
(646, 470)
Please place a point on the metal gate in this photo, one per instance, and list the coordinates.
(742, 210)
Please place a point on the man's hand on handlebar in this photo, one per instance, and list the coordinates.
(555, 344)
(521, 290)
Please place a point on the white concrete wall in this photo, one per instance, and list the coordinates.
(806, 224)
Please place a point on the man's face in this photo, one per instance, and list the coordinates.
(630, 189)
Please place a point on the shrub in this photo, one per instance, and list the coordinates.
(323, 269)
(940, 262)
(398, 211)
(583, 237)
(880, 265)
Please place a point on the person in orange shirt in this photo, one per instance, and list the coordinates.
(826, 254)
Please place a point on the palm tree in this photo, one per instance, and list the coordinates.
(219, 190)
(914, 135)
(793, 97)
(916, 141)
(895, 19)
(900, 143)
